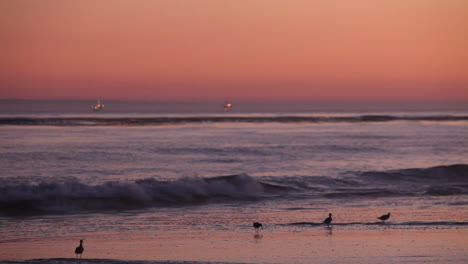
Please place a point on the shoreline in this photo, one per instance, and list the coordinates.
(317, 245)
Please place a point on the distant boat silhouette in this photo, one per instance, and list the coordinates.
(98, 106)
(328, 220)
(79, 250)
(384, 217)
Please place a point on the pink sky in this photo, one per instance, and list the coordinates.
(242, 50)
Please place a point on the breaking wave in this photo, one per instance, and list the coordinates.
(71, 196)
(154, 121)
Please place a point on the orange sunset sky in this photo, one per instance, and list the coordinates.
(361, 50)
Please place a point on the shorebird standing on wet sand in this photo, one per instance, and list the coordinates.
(257, 225)
(79, 250)
(328, 220)
(384, 217)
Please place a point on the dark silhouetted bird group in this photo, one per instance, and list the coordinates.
(79, 250)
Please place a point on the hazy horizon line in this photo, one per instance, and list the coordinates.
(245, 100)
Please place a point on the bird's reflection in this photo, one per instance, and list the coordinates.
(258, 236)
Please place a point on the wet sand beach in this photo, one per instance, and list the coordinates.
(296, 245)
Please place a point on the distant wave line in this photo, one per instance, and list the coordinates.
(142, 121)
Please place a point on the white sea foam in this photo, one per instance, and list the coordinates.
(72, 196)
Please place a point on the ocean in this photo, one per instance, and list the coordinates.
(170, 176)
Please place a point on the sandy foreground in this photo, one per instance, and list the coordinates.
(313, 245)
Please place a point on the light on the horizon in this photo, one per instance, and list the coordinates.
(227, 106)
(98, 106)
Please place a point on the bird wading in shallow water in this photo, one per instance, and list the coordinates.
(328, 220)
(384, 217)
(79, 250)
(257, 225)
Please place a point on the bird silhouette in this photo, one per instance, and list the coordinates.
(79, 250)
(384, 217)
(257, 225)
(328, 220)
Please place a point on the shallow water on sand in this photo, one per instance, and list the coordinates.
(319, 245)
(224, 233)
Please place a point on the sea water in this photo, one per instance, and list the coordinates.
(146, 174)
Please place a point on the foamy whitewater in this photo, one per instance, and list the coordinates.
(67, 175)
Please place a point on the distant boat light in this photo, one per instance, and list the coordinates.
(98, 106)
(227, 106)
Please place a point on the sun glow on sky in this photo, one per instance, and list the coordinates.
(242, 50)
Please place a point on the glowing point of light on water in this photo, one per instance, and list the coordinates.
(98, 106)
(227, 106)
